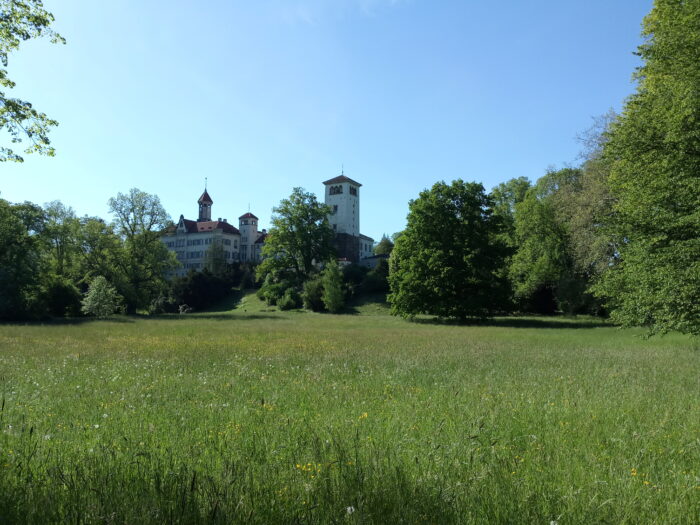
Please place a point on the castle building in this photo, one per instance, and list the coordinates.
(191, 240)
(342, 195)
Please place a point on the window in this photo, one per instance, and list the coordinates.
(335, 209)
(235, 244)
(335, 190)
(335, 227)
(353, 190)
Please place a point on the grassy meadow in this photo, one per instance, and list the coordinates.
(257, 416)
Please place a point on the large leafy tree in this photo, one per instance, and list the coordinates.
(446, 262)
(139, 218)
(21, 20)
(299, 238)
(653, 152)
(21, 248)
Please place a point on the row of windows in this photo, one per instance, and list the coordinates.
(367, 247)
(337, 190)
(197, 242)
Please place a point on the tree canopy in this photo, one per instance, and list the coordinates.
(447, 259)
(300, 236)
(21, 20)
(653, 153)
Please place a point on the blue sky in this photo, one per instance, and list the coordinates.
(262, 96)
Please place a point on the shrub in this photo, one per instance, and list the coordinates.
(289, 300)
(101, 298)
(62, 298)
(333, 296)
(313, 294)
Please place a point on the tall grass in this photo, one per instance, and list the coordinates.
(268, 417)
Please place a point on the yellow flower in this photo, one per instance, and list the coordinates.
(363, 416)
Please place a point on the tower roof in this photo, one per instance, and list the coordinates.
(205, 198)
(247, 216)
(341, 178)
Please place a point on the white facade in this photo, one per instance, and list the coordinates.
(342, 195)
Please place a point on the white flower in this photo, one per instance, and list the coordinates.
(96, 426)
(350, 509)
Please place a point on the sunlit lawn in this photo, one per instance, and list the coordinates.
(258, 416)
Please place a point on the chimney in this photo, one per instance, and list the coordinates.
(225, 220)
(219, 219)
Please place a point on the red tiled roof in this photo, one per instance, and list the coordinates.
(207, 226)
(261, 239)
(342, 178)
(205, 198)
(247, 216)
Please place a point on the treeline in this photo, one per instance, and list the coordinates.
(617, 235)
(55, 264)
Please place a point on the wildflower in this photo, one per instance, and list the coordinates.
(96, 426)
(350, 509)
(633, 472)
(363, 416)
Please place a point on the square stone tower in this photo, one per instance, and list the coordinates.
(343, 197)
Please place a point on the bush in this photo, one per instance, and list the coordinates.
(377, 279)
(199, 289)
(62, 298)
(289, 300)
(333, 296)
(313, 295)
(101, 299)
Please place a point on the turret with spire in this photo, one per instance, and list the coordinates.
(205, 203)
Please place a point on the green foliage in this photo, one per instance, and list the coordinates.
(653, 151)
(21, 20)
(312, 295)
(299, 238)
(62, 297)
(21, 263)
(215, 259)
(139, 218)
(290, 300)
(199, 290)
(446, 262)
(101, 299)
(506, 196)
(544, 260)
(377, 279)
(384, 246)
(333, 295)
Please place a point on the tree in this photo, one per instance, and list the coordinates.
(446, 262)
(299, 238)
(20, 259)
(505, 198)
(333, 296)
(22, 20)
(101, 299)
(543, 270)
(384, 246)
(140, 220)
(653, 151)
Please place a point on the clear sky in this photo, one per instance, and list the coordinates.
(265, 95)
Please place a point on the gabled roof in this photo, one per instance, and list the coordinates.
(341, 178)
(205, 198)
(207, 226)
(247, 216)
(261, 239)
(364, 237)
